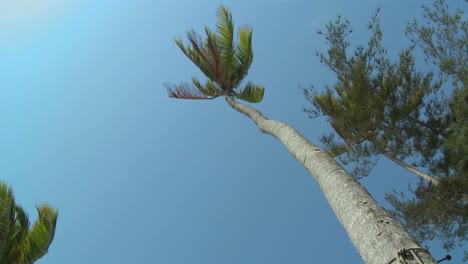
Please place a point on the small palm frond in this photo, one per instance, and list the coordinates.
(18, 229)
(210, 89)
(199, 92)
(40, 236)
(244, 54)
(197, 53)
(184, 91)
(251, 93)
(214, 57)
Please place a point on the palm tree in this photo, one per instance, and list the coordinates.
(377, 236)
(224, 64)
(20, 244)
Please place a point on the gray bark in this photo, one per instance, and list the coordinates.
(413, 170)
(377, 236)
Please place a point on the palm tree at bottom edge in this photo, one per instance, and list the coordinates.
(20, 243)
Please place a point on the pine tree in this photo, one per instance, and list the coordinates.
(383, 108)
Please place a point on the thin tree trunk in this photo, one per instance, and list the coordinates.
(413, 170)
(377, 236)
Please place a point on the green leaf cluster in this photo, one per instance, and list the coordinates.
(224, 62)
(376, 106)
(435, 212)
(442, 211)
(20, 243)
(443, 37)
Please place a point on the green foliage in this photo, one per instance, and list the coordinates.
(443, 36)
(443, 212)
(251, 93)
(20, 244)
(436, 211)
(376, 105)
(222, 61)
(455, 145)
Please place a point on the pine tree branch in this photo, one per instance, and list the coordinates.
(412, 169)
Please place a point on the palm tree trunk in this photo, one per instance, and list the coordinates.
(377, 236)
(413, 170)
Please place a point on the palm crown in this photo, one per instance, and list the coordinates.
(224, 62)
(20, 244)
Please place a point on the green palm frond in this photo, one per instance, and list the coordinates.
(225, 38)
(214, 58)
(210, 89)
(41, 235)
(244, 54)
(224, 62)
(18, 243)
(251, 93)
(19, 231)
(6, 211)
(196, 52)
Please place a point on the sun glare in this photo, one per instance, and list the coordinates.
(19, 16)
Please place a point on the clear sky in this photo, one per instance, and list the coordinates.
(137, 177)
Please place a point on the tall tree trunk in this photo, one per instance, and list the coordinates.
(377, 236)
(413, 170)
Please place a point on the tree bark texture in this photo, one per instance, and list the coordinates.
(377, 236)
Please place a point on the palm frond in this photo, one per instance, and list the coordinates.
(210, 89)
(6, 211)
(225, 38)
(21, 225)
(184, 91)
(40, 237)
(251, 93)
(197, 53)
(214, 57)
(18, 243)
(244, 54)
(19, 228)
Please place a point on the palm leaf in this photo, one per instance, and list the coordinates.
(251, 93)
(196, 52)
(213, 57)
(19, 231)
(185, 91)
(225, 38)
(210, 89)
(19, 244)
(244, 54)
(40, 237)
(6, 211)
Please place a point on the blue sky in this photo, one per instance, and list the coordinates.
(141, 178)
